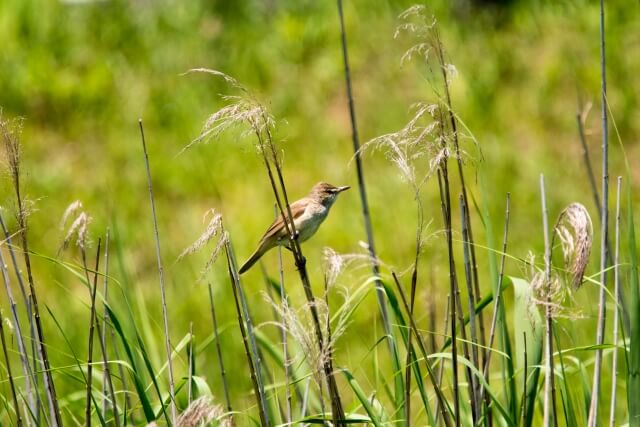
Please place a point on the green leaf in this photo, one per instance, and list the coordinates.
(140, 389)
(362, 398)
(528, 330)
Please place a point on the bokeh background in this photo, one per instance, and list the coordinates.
(82, 72)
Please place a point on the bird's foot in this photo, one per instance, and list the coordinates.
(302, 263)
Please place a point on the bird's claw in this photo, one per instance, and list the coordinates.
(302, 263)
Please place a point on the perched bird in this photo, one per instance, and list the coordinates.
(308, 213)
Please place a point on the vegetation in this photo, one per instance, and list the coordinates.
(466, 278)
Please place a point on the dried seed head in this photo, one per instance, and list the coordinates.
(201, 412)
(335, 263)
(11, 131)
(417, 139)
(575, 231)
(69, 212)
(213, 229)
(241, 110)
(78, 228)
(300, 325)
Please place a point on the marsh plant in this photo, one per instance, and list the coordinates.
(473, 358)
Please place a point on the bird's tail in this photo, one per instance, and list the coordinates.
(252, 259)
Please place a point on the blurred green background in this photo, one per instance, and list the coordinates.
(81, 73)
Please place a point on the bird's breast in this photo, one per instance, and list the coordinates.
(307, 224)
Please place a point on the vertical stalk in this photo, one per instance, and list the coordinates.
(223, 373)
(549, 381)
(283, 329)
(12, 146)
(300, 261)
(587, 161)
(355, 139)
(498, 297)
(233, 276)
(456, 146)
(107, 385)
(190, 374)
(12, 385)
(410, 354)
(595, 392)
(445, 204)
(442, 404)
(92, 323)
(255, 351)
(616, 281)
(103, 332)
(165, 317)
(475, 387)
(29, 375)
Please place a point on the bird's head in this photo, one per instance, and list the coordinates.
(326, 193)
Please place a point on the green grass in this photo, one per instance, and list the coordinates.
(81, 74)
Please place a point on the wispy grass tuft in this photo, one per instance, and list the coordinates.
(201, 412)
(11, 132)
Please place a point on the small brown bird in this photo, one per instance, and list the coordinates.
(308, 213)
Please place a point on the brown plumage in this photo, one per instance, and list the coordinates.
(308, 213)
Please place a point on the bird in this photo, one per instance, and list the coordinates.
(308, 213)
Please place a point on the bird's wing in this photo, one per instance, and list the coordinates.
(297, 209)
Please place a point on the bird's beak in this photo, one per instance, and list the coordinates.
(341, 189)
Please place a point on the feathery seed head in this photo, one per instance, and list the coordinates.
(575, 231)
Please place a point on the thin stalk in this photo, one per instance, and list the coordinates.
(475, 387)
(10, 376)
(596, 199)
(355, 139)
(92, 323)
(410, 355)
(283, 330)
(445, 204)
(300, 261)
(498, 298)
(123, 380)
(432, 311)
(107, 386)
(29, 375)
(456, 146)
(233, 276)
(165, 317)
(595, 392)
(442, 404)
(549, 386)
(616, 273)
(103, 332)
(190, 374)
(305, 399)
(12, 146)
(255, 351)
(587, 161)
(523, 403)
(223, 372)
(444, 334)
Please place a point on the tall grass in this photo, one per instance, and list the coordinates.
(481, 368)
